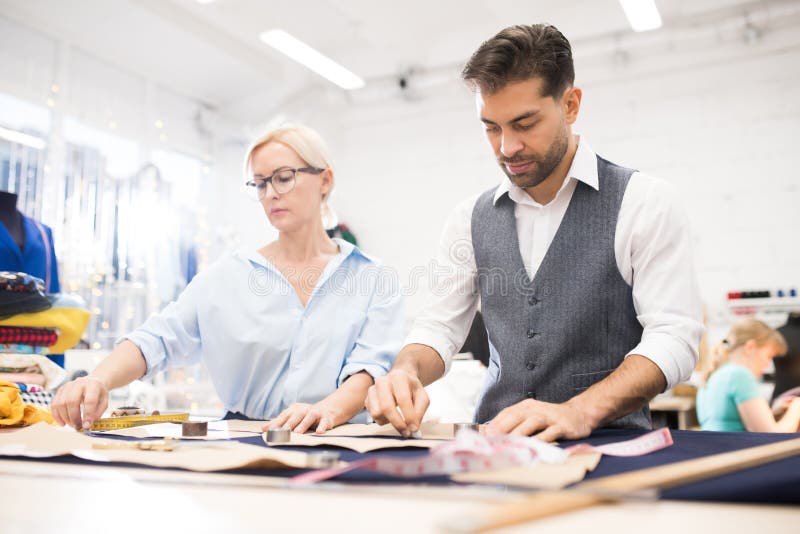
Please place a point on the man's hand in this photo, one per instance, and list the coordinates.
(87, 391)
(301, 417)
(398, 390)
(543, 420)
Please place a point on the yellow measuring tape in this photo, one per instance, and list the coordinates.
(129, 421)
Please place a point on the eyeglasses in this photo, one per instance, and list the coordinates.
(282, 180)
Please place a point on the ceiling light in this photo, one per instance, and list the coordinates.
(642, 14)
(312, 59)
(21, 138)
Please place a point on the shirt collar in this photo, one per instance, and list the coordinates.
(345, 249)
(583, 169)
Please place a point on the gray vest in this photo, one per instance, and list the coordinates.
(554, 336)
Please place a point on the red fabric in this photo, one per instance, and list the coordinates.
(38, 337)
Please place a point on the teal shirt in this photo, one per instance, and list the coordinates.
(731, 385)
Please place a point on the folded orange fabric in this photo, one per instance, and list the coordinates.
(13, 412)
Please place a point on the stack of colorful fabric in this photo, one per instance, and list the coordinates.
(27, 338)
(24, 363)
(68, 316)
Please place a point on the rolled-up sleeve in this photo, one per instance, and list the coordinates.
(381, 336)
(170, 338)
(665, 290)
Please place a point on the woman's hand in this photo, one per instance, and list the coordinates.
(301, 417)
(87, 391)
(779, 408)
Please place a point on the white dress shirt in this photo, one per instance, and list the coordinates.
(653, 251)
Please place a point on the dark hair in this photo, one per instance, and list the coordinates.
(519, 53)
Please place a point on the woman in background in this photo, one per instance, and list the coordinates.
(295, 331)
(729, 401)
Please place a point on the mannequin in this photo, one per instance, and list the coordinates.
(26, 245)
(11, 218)
(787, 369)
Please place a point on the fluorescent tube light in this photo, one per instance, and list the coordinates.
(311, 59)
(21, 138)
(642, 14)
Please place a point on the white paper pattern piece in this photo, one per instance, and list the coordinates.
(239, 425)
(361, 445)
(216, 430)
(429, 430)
(43, 441)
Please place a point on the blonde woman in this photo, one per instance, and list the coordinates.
(729, 401)
(295, 332)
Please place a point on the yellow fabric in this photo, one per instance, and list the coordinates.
(70, 322)
(13, 412)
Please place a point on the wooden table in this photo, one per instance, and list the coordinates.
(683, 407)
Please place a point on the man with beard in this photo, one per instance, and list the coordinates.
(582, 268)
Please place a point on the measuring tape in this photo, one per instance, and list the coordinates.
(130, 421)
(471, 451)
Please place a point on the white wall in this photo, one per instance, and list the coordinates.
(699, 107)
(696, 105)
(720, 127)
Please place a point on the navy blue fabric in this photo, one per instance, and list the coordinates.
(236, 415)
(777, 482)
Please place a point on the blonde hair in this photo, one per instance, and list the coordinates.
(739, 334)
(307, 143)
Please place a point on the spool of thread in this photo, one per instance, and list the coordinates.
(194, 428)
(278, 435)
(322, 460)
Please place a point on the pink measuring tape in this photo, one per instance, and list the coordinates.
(471, 451)
(644, 444)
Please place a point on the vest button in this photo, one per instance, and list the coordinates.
(530, 365)
(530, 395)
(533, 300)
(532, 334)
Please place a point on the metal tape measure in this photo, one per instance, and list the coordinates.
(118, 423)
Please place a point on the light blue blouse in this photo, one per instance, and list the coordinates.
(263, 349)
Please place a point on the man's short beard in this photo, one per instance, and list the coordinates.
(543, 168)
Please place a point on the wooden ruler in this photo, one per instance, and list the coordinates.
(611, 488)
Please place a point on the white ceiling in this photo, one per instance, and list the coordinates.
(212, 52)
